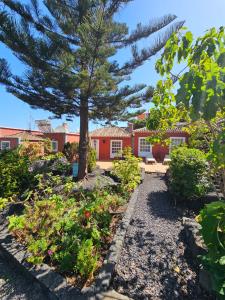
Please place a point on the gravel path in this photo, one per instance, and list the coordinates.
(153, 263)
(14, 286)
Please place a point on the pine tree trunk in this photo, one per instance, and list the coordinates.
(83, 145)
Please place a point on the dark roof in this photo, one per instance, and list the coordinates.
(110, 132)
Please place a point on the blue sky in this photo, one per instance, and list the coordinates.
(198, 14)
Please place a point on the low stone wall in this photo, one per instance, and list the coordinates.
(196, 247)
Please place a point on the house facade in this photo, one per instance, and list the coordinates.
(107, 141)
(11, 138)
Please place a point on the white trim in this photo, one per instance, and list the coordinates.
(57, 145)
(113, 155)
(140, 153)
(97, 147)
(177, 138)
(9, 145)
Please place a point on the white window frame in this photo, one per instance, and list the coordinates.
(143, 153)
(9, 145)
(113, 155)
(57, 146)
(182, 138)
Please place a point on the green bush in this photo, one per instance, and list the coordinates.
(212, 220)
(189, 174)
(71, 151)
(14, 173)
(91, 161)
(127, 170)
(68, 230)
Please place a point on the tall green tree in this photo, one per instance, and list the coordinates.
(195, 94)
(68, 48)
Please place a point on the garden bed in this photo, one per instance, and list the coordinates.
(59, 285)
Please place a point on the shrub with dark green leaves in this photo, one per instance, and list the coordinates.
(71, 151)
(212, 220)
(14, 173)
(189, 174)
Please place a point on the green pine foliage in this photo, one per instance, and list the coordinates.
(68, 51)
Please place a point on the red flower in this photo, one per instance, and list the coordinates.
(87, 214)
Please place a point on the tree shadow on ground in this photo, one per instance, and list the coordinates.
(161, 205)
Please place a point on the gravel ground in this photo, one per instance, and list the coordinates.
(153, 263)
(14, 286)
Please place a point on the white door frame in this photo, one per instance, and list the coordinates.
(96, 148)
(143, 154)
(113, 155)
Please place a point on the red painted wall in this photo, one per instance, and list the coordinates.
(158, 151)
(73, 137)
(14, 142)
(104, 145)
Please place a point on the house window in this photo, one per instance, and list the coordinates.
(144, 145)
(54, 146)
(116, 148)
(176, 141)
(5, 145)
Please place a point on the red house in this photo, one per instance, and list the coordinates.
(109, 141)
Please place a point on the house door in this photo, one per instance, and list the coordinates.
(95, 145)
(144, 148)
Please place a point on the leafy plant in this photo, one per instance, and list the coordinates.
(71, 151)
(33, 150)
(14, 173)
(127, 170)
(3, 203)
(189, 174)
(66, 228)
(212, 220)
(91, 159)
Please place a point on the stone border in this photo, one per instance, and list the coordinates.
(54, 284)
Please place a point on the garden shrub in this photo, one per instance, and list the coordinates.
(71, 151)
(14, 173)
(127, 170)
(212, 220)
(189, 174)
(66, 229)
(91, 160)
(33, 150)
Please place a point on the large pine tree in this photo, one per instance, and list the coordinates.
(68, 49)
